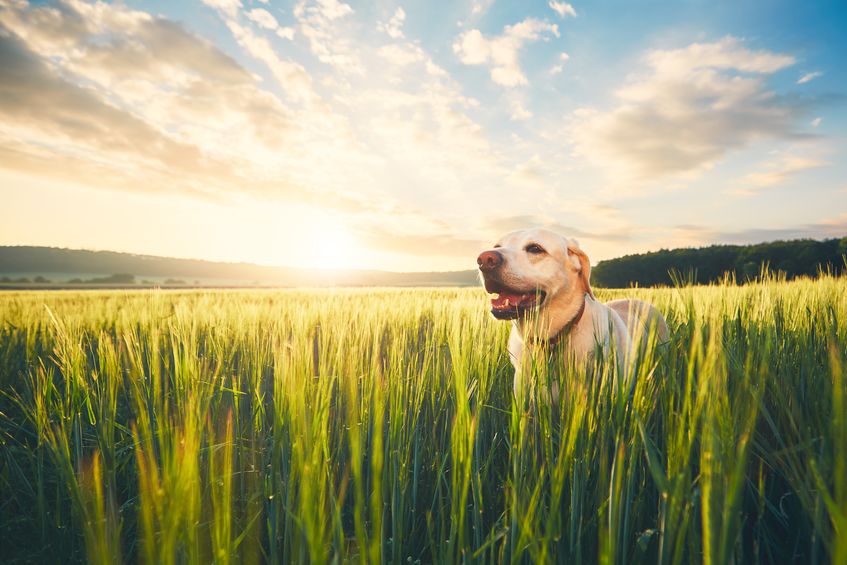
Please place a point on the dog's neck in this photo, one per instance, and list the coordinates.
(558, 327)
(566, 329)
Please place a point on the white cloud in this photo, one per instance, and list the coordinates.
(687, 110)
(405, 53)
(434, 69)
(64, 119)
(501, 52)
(528, 174)
(558, 68)
(728, 53)
(479, 7)
(319, 24)
(429, 239)
(562, 8)
(333, 9)
(228, 7)
(285, 32)
(776, 172)
(402, 55)
(824, 228)
(113, 98)
(266, 20)
(291, 76)
(263, 18)
(394, 27)
(413, 124)
(816, 122)
(519, 113)
(809, 76)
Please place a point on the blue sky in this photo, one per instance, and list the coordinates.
(410, 135)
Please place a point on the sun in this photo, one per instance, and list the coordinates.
(330, 247)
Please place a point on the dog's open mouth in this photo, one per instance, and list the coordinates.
(510, 303)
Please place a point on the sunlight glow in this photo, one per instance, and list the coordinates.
(330, 246)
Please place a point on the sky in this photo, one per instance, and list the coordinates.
(410, 135)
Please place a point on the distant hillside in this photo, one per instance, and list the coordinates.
(708, 264)
(21, 265)
(46, 267)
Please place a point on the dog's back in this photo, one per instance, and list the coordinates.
(640, 317)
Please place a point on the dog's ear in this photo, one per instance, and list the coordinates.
(582, 265)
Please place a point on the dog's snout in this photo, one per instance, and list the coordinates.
(489, 260)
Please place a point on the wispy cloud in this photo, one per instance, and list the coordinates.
(776, 172)
(229, 7)
(423, 244)
(480, 7)
(558, 68)
(291, 77)
(563, 9)
(501, 52)
(130, 101)
(497, 226)
(266, 20)
(394, 26)
(809, 77)
(826, 228)
(687, 109)
(519, 111)
(402, 54)
(49, 120)
(321, 23)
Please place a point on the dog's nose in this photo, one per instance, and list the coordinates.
(489, 260)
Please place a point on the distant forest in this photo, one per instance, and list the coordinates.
(709, 264)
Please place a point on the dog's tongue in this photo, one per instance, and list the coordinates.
(506, 300)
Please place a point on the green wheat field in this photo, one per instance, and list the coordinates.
(380, 426)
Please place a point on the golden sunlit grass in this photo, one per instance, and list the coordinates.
(380, 426)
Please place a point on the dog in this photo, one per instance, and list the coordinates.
(541, 282)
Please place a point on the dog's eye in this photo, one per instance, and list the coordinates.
(534, 248)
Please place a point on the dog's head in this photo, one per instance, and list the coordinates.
(529, 270)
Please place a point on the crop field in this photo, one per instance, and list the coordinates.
(380, 426)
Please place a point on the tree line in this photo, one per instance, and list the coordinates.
(704, 265)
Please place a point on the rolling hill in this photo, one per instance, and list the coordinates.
(50, 267)
(21, 265)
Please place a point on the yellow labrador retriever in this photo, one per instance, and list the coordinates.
(540, 280)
